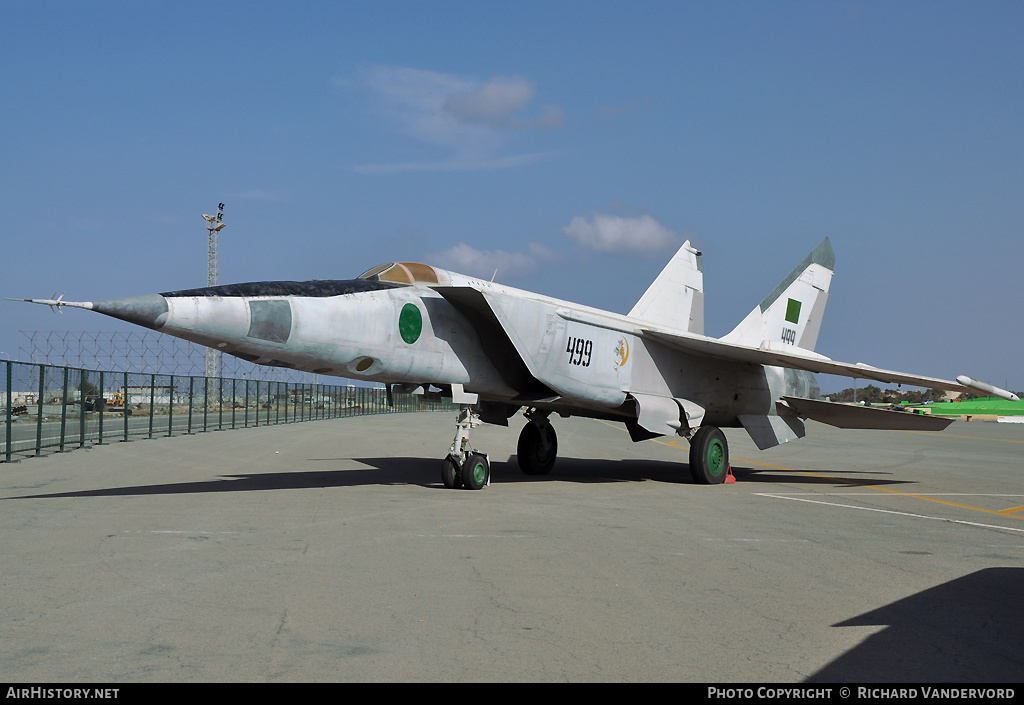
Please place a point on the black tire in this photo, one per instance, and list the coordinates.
(450, 475)
(476, 471)
(533, 460)
(709, 456)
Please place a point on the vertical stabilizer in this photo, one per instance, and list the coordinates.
(676, 298)
(792, 312)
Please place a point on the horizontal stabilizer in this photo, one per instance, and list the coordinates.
(853, 416)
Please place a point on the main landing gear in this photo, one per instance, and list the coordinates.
(538, 444)
(469, 468)
(709, 456)
(538, 449)
(465, 467)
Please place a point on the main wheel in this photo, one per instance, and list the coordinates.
(475, 471)
(450, 475)
(709, 456)
(534, 458)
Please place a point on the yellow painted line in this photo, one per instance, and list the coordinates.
(896, 492)
(1002, 512)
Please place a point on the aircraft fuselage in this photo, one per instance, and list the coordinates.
(575, 357)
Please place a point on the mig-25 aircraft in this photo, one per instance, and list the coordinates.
(496, 350)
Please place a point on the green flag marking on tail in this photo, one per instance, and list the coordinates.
(793, 311)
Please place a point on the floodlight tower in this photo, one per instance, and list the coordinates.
(214, 224)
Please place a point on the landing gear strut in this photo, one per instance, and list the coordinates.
(709, 456)
(538, 444)
(465, 467)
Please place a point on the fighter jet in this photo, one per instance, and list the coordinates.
(498, 350)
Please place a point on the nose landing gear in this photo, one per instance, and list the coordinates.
(464, 466)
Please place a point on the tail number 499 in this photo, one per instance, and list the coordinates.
(580, 351)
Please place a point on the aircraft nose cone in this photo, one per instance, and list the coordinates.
(149, 310)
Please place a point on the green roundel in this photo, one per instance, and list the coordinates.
(410, 323)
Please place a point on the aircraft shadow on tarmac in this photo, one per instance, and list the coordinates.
(819, 476)
(968, 630)
(426, 472)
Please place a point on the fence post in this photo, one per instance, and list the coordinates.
(124, 404)
(82, 380)
(170, 408)
(191, 396)
(100, 406)
(152, 400)
(64, 410)
(39, 412)
(10, 420)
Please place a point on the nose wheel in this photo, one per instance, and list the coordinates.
(464, 466)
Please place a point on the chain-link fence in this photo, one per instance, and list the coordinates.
(141, 351)
(47, 408)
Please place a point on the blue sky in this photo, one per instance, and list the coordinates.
(570, 145)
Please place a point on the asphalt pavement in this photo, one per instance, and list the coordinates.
(329, 551)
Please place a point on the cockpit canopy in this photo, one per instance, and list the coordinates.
(402, 273)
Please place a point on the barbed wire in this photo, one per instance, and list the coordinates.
(141, 351)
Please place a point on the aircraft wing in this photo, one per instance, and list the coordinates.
(853, 416)
(478, 305)
(783, 355)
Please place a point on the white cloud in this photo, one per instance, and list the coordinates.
(544, 254)
(642, 236)
(472, 120)
(482, 263)
(493, 101)
(496, 103)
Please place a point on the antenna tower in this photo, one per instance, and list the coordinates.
(214, 224)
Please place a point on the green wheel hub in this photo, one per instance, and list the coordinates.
(716, 457)
(475, 471)
(709, 456)
(479, 471)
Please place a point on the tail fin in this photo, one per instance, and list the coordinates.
(676, 298)
(792, 312)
